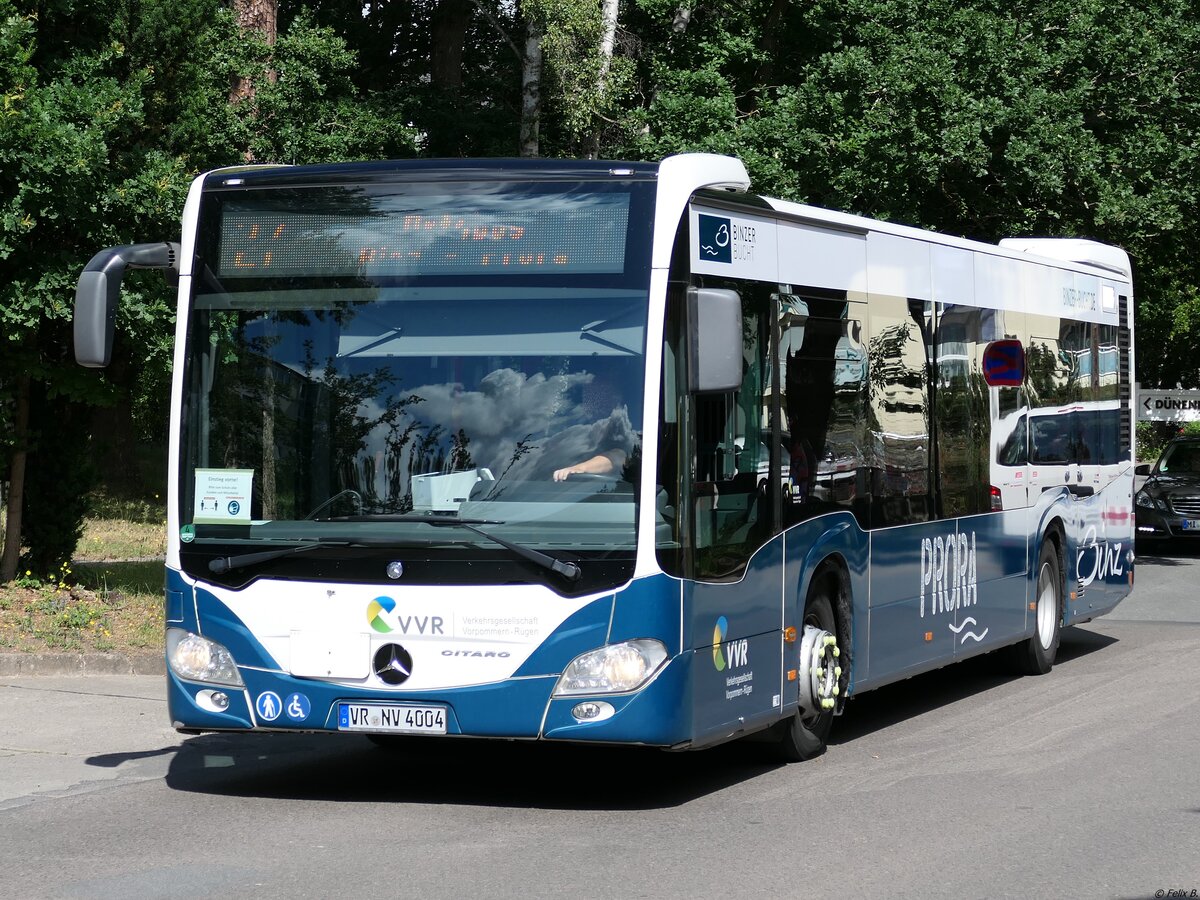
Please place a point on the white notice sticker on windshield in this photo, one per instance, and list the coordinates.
(223, 496)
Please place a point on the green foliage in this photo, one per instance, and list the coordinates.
(575, 109)
(1153, 437)
(109, 110)
(308, 110)
(977, 117)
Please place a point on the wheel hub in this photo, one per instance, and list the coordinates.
(1047, 606)
(820, 671)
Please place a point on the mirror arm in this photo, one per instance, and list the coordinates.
(98, 294)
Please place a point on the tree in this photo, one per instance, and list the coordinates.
(109, 111)
(981, 118)
(976, 117)
(65, 116)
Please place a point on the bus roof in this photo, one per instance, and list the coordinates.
(1103, 259)
(426, 170)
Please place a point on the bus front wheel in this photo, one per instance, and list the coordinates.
(1035, 655)
(804, 735)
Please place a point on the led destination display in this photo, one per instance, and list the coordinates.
(572, 234)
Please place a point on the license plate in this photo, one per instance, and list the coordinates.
(1189, 524)
(391, 719)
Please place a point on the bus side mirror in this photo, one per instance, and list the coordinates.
(715, 340)
(99, 291)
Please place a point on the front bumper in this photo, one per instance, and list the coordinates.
(1155, 524)
(517, 708)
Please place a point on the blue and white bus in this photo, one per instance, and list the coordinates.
(614, 452)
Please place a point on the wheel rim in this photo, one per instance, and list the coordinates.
(820, 671)
(1047, 605)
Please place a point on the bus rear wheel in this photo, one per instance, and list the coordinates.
(1035, 655)
(805, 734)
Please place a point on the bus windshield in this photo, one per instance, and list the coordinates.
(362, 361)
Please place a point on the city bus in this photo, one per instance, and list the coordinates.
(615, 453)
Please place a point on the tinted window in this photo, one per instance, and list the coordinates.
(1179, 459)
(962, 335)
(823, 371)
(897, 411)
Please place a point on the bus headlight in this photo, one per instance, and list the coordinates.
(612, 669)
(197, 658)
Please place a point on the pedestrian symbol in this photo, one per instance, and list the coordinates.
(269, 706)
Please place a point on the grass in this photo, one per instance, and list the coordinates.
(109, 600)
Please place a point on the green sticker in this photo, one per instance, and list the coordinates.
(187, 533)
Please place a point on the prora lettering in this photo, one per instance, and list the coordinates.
(948, 573)
(485, 654)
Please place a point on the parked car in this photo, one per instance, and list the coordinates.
(1168, 504)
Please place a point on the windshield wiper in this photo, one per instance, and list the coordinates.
(225, 563)
(567, 570)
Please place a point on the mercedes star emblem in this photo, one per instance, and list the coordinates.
(393, 664)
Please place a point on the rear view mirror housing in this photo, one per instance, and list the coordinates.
(715, 340)
(98, 294)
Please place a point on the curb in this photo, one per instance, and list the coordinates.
(81, 664)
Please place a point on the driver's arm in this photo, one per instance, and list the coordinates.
(601, 464)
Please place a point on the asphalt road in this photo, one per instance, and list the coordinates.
(966, 782)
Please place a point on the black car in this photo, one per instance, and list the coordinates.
(1168, 505)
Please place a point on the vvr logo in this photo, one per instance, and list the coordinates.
(738, 651)
(382, 616)
(716, 244)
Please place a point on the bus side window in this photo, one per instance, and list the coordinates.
(822, 371)
(898, 414)
(731, 503)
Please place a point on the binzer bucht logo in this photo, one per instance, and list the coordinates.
(716, 242)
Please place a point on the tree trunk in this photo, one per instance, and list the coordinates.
(451, 18)
(16, 486)
(254, 15)
(608, 37)
(449, 24)
(531, 90)
(769, 45)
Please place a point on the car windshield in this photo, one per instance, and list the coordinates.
(324, 405)
(1180, 459)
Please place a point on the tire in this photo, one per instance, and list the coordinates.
(804, 735)
(1035, 655)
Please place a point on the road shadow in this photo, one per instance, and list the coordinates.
(113, 760)
(526, 774)
(921, 694)
(1167, 554)
(510, 774)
